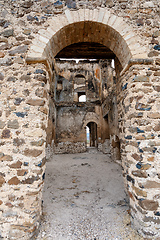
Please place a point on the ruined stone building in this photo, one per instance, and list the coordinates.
(90, 80)
(41, 110)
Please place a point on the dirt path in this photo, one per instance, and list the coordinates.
(84, 199)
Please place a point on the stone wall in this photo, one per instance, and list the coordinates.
(24, 113)
(32, 28)
(140, 143)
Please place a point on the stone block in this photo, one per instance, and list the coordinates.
(22, 172)
(17, 164)
(69, 16)
(13, 124)
(149, 205)
(101, 15)
(19, 49)
(32, 152)
(2, 180)
(151, 184)
(30, 180)
(6, 133)
(139, 173)
(14, 181)
(140, 192)
(35, 102)
(2, 124)
(154, 115)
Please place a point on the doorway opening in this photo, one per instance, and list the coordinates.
(92, 127)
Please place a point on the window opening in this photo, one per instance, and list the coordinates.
(81, 97)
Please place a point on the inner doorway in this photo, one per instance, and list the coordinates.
(92, 128)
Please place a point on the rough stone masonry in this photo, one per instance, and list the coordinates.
(32, 33)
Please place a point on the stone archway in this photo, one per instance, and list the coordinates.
(139, 143)
(111, 31)
(86, 25)
(102, 27)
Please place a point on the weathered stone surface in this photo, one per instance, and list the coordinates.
(142, 107)
(141, 174)
(5, 62)
(39, 92)
(14, 181)
(40, 71)
(157, 61)
(4, 157)
(2, 54)
(157, 47)
(18, 101)
(156, 34)
(13, 124)
(130, 179)
(2, 181)
(153, 53)
(157, 88)
(22, 172)
(151, 184)
(1, 76)
(2, 22)
(42, 162)
(12, 79)
(18, 164)
(7, 33)
(137, 157)
(38, 143)
(150, 219)
(18, 141)
(41, 78)
(30, 180)
(36, 102)
(32, 152)
(137, 85)
(154, 115)
(150, 159)
(26, 92)
(140, 192)
(43, 110)
(2, 124)
(5, 46)
(27, 4)
(19, 49)
(21, 114)
(143, 166)
(6, 133)
(141, 79)
(27, 31)
(26, 78)
(149, 205)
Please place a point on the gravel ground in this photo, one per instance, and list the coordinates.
(84, 199)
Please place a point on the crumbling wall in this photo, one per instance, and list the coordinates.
(71, 115)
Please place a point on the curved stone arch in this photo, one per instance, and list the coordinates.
(91, 117)
(85, 25)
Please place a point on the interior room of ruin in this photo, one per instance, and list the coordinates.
(94, 80)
